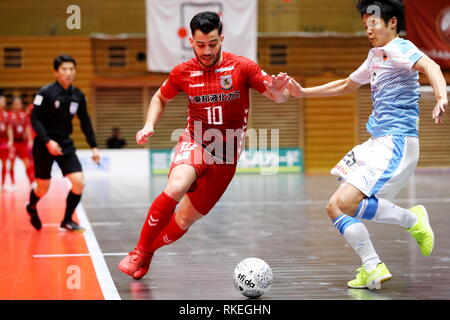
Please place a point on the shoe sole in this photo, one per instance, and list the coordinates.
(428, 227)
(68, 230)
(375, 285)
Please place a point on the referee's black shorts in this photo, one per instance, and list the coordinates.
(43, 161)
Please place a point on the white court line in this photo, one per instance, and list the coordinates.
(63, 255)
(235, 203)
(106, 223)
(105, 280)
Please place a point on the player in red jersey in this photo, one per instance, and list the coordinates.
(23, 140)
(6, 139)
(217, 85)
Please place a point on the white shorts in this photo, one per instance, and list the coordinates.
(380, 166)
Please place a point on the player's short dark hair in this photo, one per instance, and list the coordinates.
(388, 10)
(206, 22)
(59, 60)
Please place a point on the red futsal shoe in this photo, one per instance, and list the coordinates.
(136, 264)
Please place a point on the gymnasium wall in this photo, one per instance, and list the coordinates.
(112, 73)
(48, 17)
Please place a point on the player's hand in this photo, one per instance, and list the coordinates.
(95, 155)
(277, 87)
(54, 148)
(439, 110)
(278, 83)
(295, 89)
(143, 135)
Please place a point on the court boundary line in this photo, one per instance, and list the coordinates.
(104, 278)
(64, 255)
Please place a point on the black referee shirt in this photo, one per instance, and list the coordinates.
(54, 109)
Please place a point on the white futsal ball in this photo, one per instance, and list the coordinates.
(253, 277)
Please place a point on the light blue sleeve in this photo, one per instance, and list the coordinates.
(404, 54)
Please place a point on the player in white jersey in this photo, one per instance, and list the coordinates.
(375, 171)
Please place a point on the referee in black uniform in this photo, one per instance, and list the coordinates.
(54, 107)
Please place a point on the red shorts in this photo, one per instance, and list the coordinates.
(4, 150)
(22, 150)
(212, 178)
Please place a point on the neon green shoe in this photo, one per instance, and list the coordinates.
(370, 279)
(422, 231)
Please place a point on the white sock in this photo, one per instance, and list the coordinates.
(358, 238)
(384, 211)
(388, 212)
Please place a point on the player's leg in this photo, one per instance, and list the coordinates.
(12, 173)
(181, 178)
(42, 186)
(380, 208)
(4, 167)
(43, 162)
(340, 209)
(196, 204)
(72, 201)
(27, 161)
(185, 216)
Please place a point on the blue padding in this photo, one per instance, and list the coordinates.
(343, 222)
(371, 208)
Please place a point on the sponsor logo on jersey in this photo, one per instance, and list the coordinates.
(196, 73)
(224, 69)
(216, 97)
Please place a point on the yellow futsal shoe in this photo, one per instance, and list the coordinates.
(370, 279)
(422, 231)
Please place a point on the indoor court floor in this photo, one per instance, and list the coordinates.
(280, 219)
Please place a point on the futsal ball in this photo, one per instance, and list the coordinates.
(253, 277)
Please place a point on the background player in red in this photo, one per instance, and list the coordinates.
(217, 84)
(23, 140)
(5, 138)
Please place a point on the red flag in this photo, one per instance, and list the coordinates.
(428, 27)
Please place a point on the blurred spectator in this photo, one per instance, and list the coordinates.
(116, 141)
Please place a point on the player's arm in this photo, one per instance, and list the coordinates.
(433, 71)
(29, 135)
(330, 89)
(40, 102)
(88, 130)
(155, 112)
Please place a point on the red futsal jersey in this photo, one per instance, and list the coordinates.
(218, 99)
(4, 118)
(19, 122)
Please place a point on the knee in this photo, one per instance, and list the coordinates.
(333, 208)
(337, 206)
(184, 221)
(176, 189)
(78, 186)
(41, 189)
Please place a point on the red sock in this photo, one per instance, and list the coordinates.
(171, 233)
(158, 217)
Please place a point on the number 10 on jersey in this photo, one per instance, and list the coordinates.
(214, 115)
